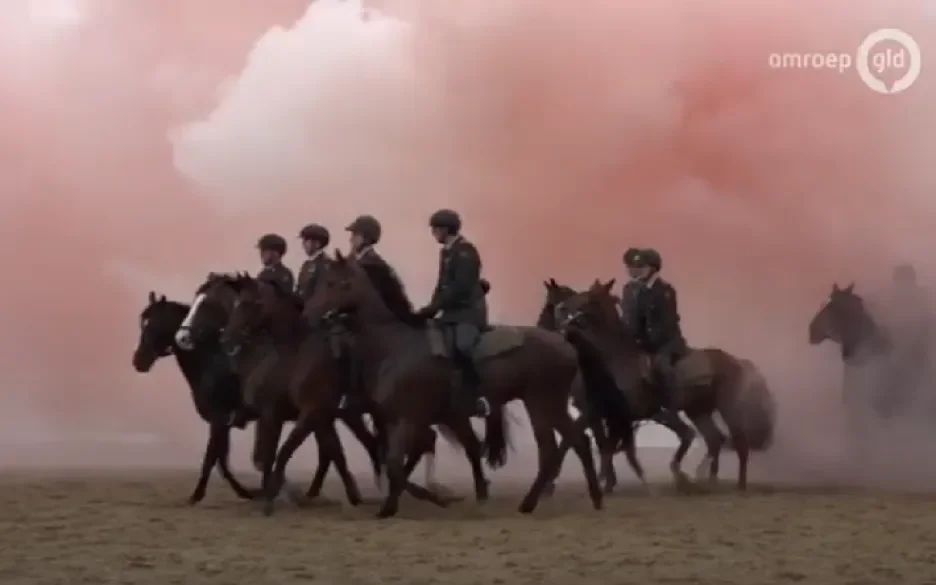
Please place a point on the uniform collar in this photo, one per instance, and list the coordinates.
(653, 279)
(316, 254)
(452, 242)
(363, 252)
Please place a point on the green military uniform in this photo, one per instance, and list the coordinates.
(275, 272)
(315, 265)
(658, 329)
(458, 301)
(630, 292)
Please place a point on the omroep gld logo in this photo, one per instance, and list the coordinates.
(882, 55)
(871, 65)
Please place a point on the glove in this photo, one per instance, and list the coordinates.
(427, 312)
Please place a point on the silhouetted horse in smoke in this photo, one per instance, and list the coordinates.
(556, 294)
(871, 377)
(215, 387)
(204, 323)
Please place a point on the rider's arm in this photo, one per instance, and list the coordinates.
(669, 317)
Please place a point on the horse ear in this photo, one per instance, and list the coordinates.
(162, 298)
(609, 285)
(848, 289)
(152, 298)
(553, 283)
(340, 258)
(835, 287)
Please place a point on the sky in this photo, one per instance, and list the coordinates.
(148, 143)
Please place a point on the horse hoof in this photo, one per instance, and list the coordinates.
(527, 507)
(384, 514)
(268, 508)
(195, 498)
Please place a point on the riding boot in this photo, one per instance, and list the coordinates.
(349, 397)
(469, 388)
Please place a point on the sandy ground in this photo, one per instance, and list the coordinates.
(110, 527)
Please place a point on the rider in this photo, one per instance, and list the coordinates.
(658, 330)
(459, 302)
(272, 249)
(636, 268)
(912, 317)
(314, 240)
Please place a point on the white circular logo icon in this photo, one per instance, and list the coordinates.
(908, 56)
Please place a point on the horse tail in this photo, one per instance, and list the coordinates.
(755, 408)
(496, 438)
(605, 401)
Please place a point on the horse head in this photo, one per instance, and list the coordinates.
(555, 294)
(845, 320)
(344, 288)
(159, 321)
(594, 308)
(209, 313)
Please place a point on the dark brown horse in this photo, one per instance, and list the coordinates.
(207, 318)
(709, 380)
(215, 387)
(289, 372)
(556, 294)
(409, 376)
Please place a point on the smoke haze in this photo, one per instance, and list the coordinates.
(147, 143)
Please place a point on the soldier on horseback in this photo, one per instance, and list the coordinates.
(658, 329)
(272, 249)
(631, 289)
(459, 305)
(314, 238)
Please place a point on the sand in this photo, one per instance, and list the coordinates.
(135, 528)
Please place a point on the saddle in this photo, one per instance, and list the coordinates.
(694, 369)
(494, 341)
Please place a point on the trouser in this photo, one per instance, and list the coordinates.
(461, 339)
(665, 363)
(341, 343)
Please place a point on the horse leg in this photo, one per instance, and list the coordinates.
(301, 430)
(223, 437)
(739, 442)
(208, 463)
(318, 480)
(714, 439)
(399, 437)
(686, 435)
(429, 452)
(355, 422)
(424, 443)
(461, 426)
(268, 429)
(550, 460)
(330, 443)
(572, 433)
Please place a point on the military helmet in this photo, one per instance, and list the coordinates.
(904, 273)
(316, 233)
(272, 242)
(651, 258)
(632, 257)
(446, 219)
(367, 227)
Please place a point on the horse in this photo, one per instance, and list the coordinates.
(709, 380)
(845, 320)
(215, 388)
(556, 294)
(287, 367)
(209, 313)
(408, 372)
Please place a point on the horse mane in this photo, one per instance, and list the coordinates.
(233, 279)
(391, 291)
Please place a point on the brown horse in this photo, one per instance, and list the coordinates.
(209, 313)
(408, 376)
(709, 380)
(556, 294)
